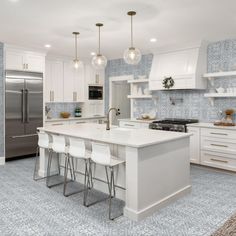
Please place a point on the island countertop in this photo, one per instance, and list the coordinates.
(121, 136)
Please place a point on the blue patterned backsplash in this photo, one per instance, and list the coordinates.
(57, 107)
(1, 101)
(221, 56)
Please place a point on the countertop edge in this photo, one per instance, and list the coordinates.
(74, 118)
(211, 126)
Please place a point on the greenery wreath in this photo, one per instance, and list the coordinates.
(168, 82)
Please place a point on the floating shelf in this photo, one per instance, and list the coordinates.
(139, 96)
(219, 74)
(219, 95)
(138, 81)
(212, 96)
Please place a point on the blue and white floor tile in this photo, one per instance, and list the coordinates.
(29, 208)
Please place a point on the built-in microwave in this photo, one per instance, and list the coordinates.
(95, 92)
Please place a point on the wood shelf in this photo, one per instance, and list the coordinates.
(138, 81)
(139, 96)
(219, 74)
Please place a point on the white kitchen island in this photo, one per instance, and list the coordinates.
(157, 169)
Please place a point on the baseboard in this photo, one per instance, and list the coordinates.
(2, 161)
(140, 215)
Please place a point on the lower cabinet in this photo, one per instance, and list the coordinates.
(194, 145)
(213, 147)
(133, 125)
(98, 120)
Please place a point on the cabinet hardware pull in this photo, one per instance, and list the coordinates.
(213, 159)
(218, 145)
(24, 136)
(52, 96)
(129, 125)
(219, 134)
(57, 124)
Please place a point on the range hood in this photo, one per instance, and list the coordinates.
(185, 67)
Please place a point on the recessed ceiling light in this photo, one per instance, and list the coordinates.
(93, 53)
(47, 45)
(153, 40)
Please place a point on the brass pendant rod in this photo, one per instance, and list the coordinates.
(132, 40)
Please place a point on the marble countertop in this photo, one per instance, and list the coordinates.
(74, 118)
(211, 125)
(121, 136)
(135, 120)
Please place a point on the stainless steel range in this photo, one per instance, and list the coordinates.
(177, 125)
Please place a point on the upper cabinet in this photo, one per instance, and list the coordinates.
(186, 68)
(64, 83)
(73, 82)
(94, 76)
(54, 81)
(24, 60)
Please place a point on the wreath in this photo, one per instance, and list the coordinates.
(168, 82)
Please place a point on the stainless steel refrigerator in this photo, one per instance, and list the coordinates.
(23, 112)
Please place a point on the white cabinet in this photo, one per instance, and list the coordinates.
(186, 67)
(54, 81)
(73, 83)
(194, 145)
(214, 147)
(24, 61)
(94, 76)
(133, 125)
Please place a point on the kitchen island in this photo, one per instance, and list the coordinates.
(157, 169)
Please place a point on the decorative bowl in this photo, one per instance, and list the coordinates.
(65, 114)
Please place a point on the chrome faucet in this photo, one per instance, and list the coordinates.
(108, 116)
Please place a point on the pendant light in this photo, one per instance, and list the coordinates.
(99, 61)
(132, 55)
(76, 60)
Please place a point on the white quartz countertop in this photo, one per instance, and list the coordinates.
(211, 125)
(74, 118)
(135, 120)
(121, 136)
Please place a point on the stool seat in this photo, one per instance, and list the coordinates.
(114, 161)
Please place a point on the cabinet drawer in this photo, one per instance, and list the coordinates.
(131, 125)
(218, 145)
(218, 133)
(218, 160)
(59, 123)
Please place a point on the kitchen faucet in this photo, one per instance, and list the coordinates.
(108, 116)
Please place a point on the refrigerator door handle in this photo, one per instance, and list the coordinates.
(24, 136)
(23, 106)
(27, 105)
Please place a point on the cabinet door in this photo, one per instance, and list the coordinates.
(68, 81)
(14, 60)
(34, 63)
(79, 84)
(94, 76)
(48, 82)
(57, 81)
(194, 145)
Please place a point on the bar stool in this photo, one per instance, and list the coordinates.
(77, 151)
(101, 155)
(59, 147)
(44, 143)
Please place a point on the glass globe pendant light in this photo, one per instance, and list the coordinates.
(99, 61)
(76, 60)
(132, 55)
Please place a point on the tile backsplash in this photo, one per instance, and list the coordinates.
(221, 56)
(57, 107)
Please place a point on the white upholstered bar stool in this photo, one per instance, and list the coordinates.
(44, 143)
(101, 155)
(77, 151)
(59, 147)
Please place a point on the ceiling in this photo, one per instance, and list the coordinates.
(34, 23)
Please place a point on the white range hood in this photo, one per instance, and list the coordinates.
(185, 67)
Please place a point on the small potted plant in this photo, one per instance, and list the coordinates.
(78, 112)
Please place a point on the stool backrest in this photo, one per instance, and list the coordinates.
(101, 153)
(58, 143)
(43, 140)
(77, 148)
